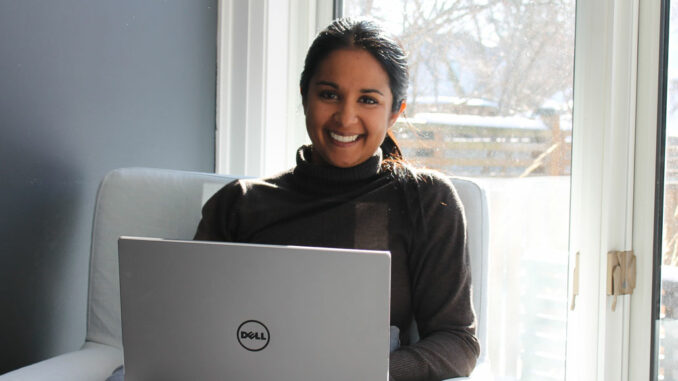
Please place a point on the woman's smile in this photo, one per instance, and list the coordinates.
(343, 140)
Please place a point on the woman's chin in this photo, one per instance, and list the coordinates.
(343, 162)
(340, 161)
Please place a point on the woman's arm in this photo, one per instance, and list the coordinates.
(441, 289)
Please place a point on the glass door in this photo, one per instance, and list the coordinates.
(491, 97)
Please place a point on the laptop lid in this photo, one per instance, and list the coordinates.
(229, 311)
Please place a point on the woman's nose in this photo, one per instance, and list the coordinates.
(346, 114)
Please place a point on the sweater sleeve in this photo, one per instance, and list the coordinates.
(218, 214)
(441, 289)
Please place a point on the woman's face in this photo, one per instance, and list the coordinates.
(348, 108)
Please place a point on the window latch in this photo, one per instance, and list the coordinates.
(621, 274)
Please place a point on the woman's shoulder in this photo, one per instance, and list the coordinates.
(430, 188)
(424, 179)
(252, 187)
(431, 199)
(246, 184)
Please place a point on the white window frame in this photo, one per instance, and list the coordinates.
(616, 66)
(260, 121)
(648, 86)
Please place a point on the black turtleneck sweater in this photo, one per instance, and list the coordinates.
(415, 214)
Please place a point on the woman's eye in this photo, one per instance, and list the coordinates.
(368, 100)
(326, 94)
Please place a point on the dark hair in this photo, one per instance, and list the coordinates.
(346, 33)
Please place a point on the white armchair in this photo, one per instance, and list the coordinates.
(167, 204)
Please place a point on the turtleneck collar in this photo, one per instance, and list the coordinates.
(330, 174)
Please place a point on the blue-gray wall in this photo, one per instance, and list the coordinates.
(87, 86)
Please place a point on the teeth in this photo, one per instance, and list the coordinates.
(343, 139)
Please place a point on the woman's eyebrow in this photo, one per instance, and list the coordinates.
(371, 91)
(335, 86)
(328, 83)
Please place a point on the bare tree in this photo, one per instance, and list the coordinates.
(514, 53)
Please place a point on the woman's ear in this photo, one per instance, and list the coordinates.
(396, 115)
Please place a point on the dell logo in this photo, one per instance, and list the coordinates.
(253, 335)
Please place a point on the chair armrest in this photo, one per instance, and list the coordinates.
(92, 362)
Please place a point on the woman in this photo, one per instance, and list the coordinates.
(351, 189)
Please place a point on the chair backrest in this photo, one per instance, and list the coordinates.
(138, 202)
(474, 199)
(166, 204)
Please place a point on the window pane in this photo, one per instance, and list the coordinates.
(490, 97)
(666, 357)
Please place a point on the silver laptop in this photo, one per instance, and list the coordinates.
(225, 311)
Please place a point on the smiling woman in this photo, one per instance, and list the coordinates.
(351, 189)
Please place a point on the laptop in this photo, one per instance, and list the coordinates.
(196, 310)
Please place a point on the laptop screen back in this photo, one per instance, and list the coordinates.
(227, 311)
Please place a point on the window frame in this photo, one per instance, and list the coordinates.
(632, 45)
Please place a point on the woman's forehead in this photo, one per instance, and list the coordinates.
(347, 67)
